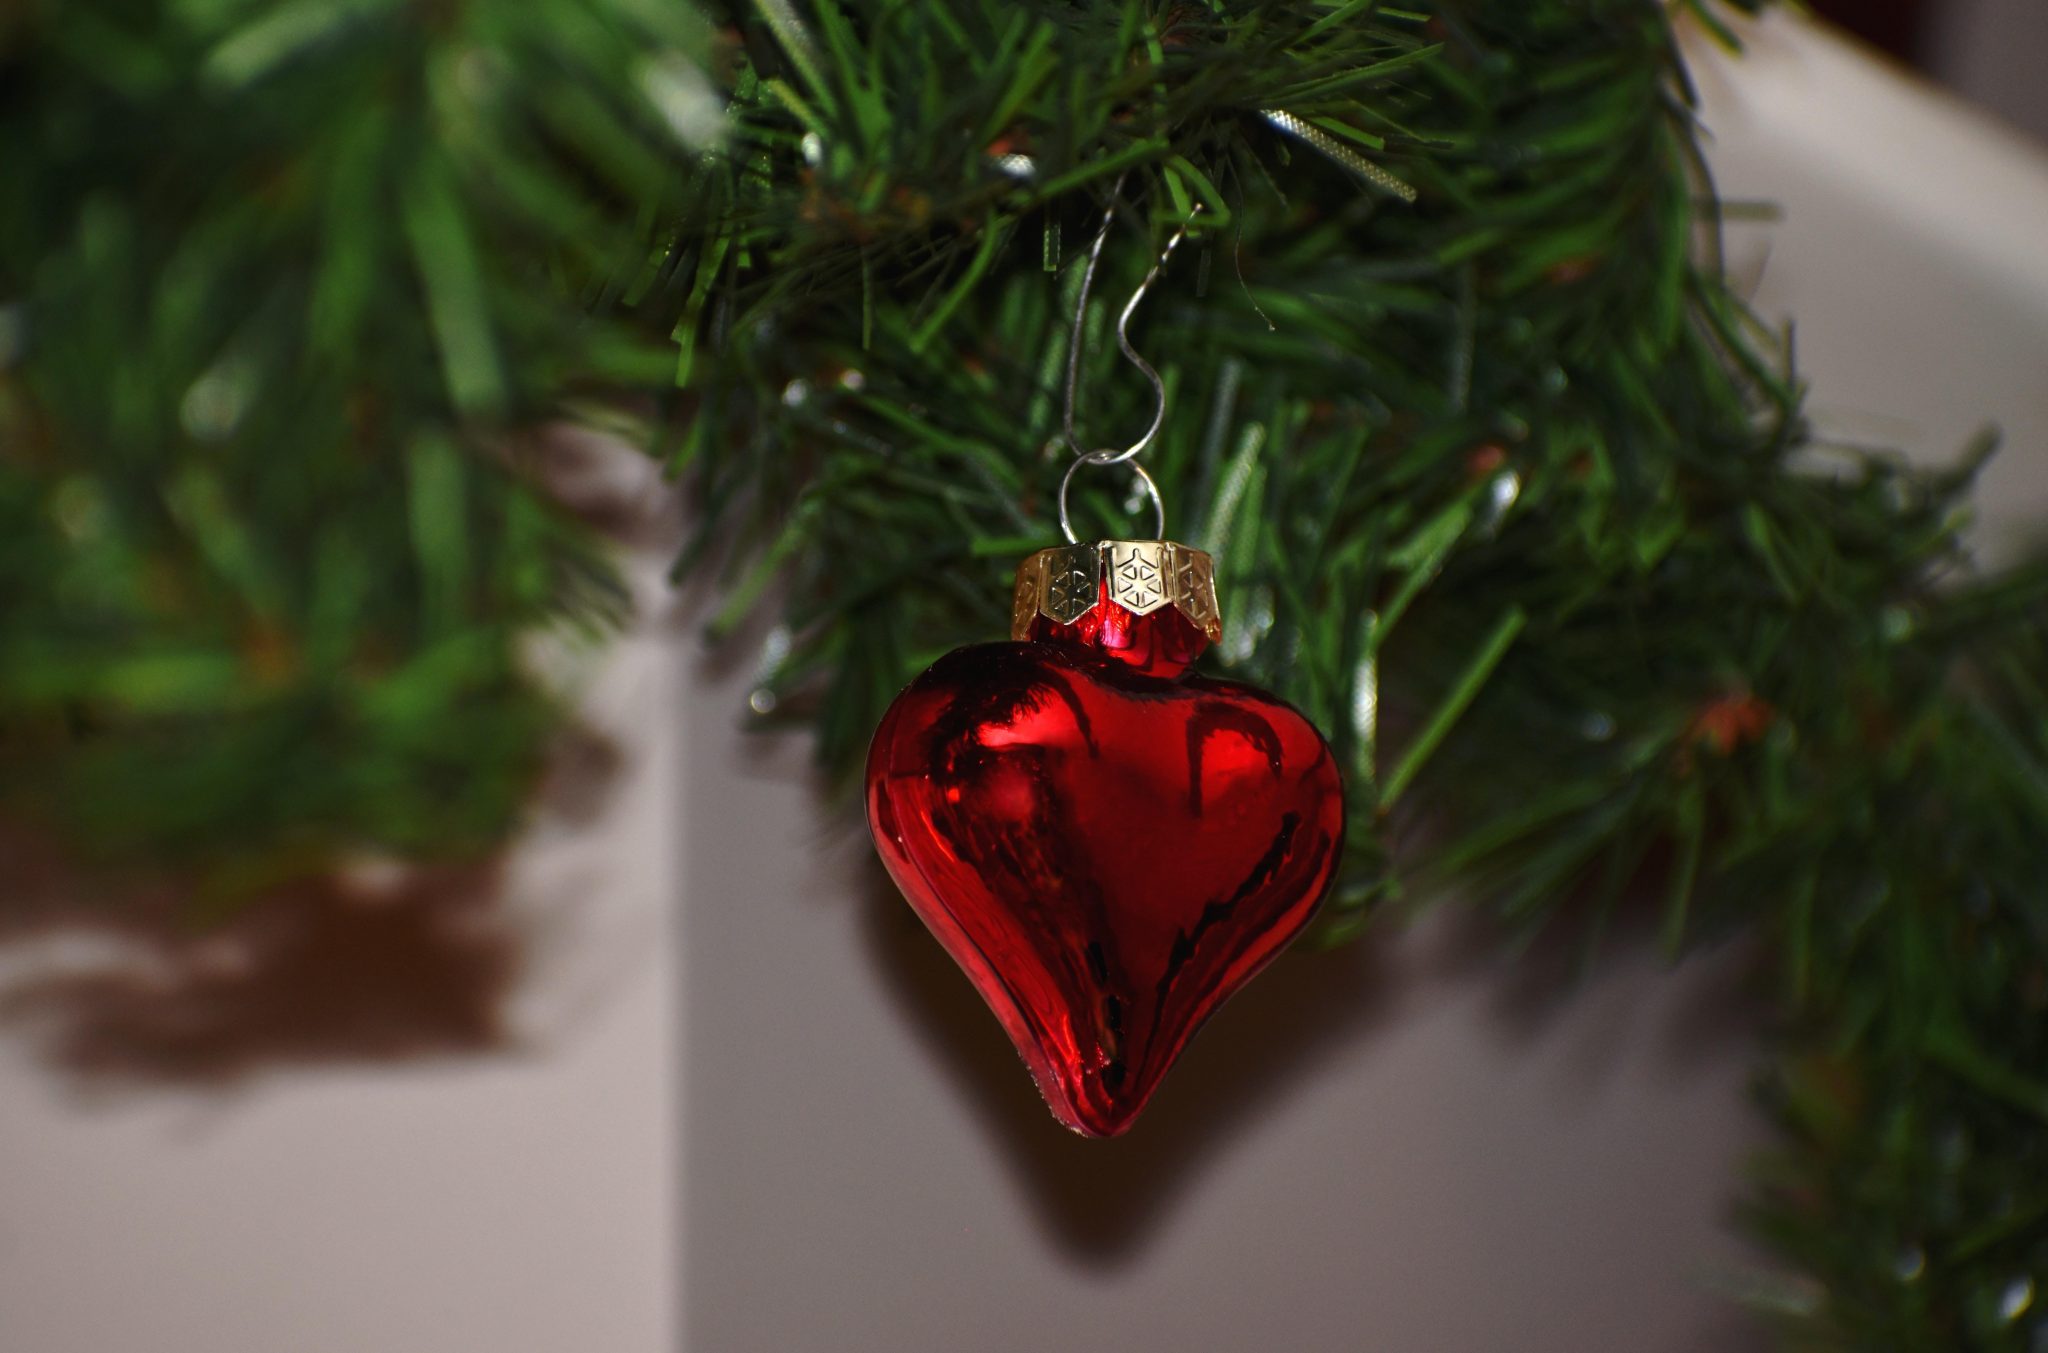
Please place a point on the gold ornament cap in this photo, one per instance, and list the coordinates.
(1066, 582)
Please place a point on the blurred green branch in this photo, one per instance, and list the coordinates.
(282, 287)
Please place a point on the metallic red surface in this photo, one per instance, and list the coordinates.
(1162, 643)
(1108, 854)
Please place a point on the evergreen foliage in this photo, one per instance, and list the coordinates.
(277, 283)
(1505, 487)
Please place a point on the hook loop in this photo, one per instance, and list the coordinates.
(1145, 482)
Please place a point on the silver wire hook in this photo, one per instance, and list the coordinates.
(1081, 312)
(1123, 340)
(1145, 481)
(1127, 456)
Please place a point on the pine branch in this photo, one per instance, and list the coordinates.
(1505, 490)
(284, 285)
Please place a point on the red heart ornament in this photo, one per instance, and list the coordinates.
(1108, 847)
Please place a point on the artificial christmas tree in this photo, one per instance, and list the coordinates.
(1504, 489)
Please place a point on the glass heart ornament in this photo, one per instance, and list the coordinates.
(1108, 845)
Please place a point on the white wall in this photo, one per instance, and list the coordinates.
(522, 1202)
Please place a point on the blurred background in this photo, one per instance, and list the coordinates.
(610, 1137)
(1988, 51)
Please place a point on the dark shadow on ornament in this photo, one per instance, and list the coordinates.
(1101, 1202)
